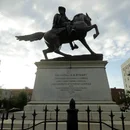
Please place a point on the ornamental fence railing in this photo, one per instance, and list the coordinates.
(71, 122)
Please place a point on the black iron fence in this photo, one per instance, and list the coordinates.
(71, 121)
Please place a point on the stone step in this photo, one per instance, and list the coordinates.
(81, 107)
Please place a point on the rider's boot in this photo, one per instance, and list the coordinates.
(71, 32)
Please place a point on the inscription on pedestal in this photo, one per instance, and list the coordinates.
(71, 82)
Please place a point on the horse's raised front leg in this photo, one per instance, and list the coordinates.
(96, 29)
(97, 32)
(83, 41)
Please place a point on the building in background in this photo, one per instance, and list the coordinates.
(10, 93)
(118, 95)
(5, 94)
(125, 68)
(18, 98)
(16, 92)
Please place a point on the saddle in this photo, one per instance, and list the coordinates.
(68, 30)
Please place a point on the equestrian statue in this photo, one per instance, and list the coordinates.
(64, 31)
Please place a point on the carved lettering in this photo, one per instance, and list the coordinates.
(71, 82)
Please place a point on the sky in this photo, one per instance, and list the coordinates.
(17, 68)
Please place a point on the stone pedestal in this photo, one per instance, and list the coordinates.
(59, 81)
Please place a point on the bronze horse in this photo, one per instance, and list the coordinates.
(54, 38)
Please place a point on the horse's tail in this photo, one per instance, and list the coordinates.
(31, 37)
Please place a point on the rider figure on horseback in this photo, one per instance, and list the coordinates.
(58, 35)
(60, 20)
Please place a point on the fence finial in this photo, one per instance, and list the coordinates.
(72, 104)
(72, 116)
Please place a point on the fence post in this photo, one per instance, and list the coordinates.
(12, 122)
(88, 116)
(57, 110)
(122, 118)
(2, 122)
(45, 118)
(34, 116)
(23, 118)
(100, 117)
(111, 116)
(72, 118)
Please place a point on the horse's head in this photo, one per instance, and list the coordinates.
(82, 17)
(87, 19)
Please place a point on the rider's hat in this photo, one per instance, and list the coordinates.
(61, 8)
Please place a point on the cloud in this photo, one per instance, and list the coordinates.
(29, 16)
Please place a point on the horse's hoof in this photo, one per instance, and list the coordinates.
(72, 48)
(93, 53)
(76, 47)
(94, 36)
